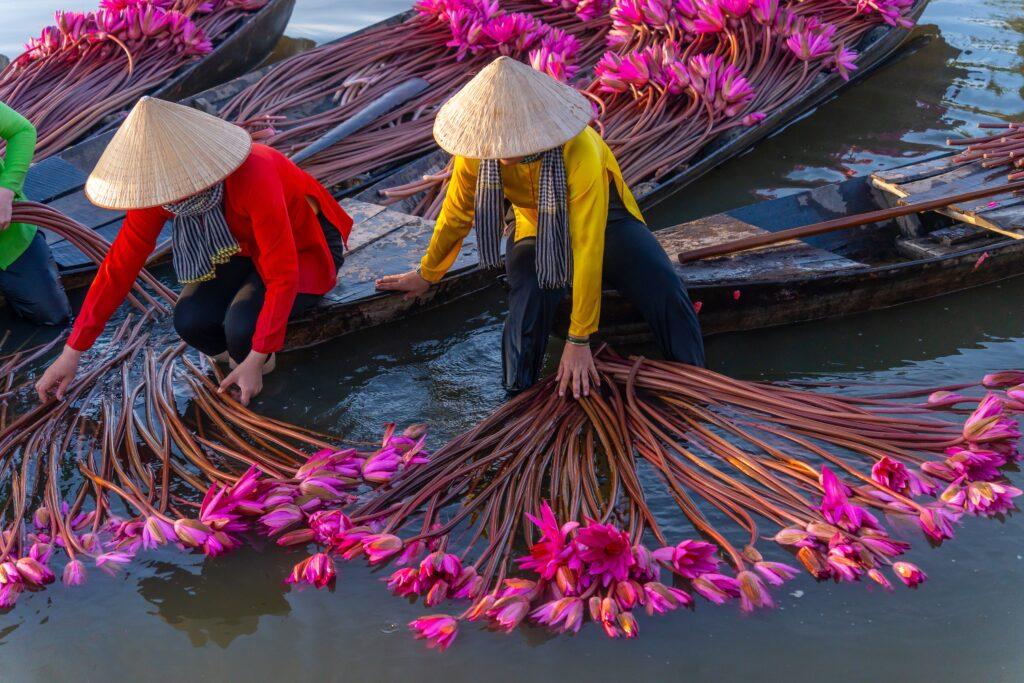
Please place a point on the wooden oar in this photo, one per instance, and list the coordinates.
(836, 224)
(392, 99)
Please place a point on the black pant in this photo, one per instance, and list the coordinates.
(634, 264)
(220, 314)
(32, 285)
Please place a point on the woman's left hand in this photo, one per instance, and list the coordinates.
(577, 368)
(248, 377)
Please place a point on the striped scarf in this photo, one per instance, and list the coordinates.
(554, 252)
(200, 237)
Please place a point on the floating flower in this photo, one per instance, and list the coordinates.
(316, 570)
(439, 630)
(689, 558)
(564, 614)
(553, 549)
(606, 552)
(659, 598)
(909, 574)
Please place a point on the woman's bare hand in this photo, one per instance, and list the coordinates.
(411, 283)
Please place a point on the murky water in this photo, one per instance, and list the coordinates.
(174, 617)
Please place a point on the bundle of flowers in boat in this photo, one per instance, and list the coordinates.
(205, 480)
(90, 65)
(539, 514)
(443, 42)
(680, 73)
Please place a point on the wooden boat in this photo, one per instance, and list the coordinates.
(58, 180)
(863, 269)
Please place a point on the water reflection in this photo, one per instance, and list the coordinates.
(218, 600)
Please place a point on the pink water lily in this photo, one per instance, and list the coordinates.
(659, 598)
(439, 630)
(74, 573)
(564, 614)
(316, 570)
(553, 549)
(716, 587)
(606, 552)
(910, 574)
(837, 508)
(689, 558)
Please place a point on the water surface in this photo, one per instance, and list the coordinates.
(174, 617)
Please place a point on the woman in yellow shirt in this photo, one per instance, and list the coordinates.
(520, 136)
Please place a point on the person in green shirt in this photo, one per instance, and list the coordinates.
(28, 274)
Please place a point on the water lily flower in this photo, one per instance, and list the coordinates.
(467, 586)
(628, 625)
(1005, 378)
(403, 582)
(689, 558)
(880, 543)
(809, 45)
(553, 549)
(645, 565)
(9, 593)
(437, 594)
(439, 565)
(764, 11)
(845, 62)
(659, 598)
(508, 612)
(844, 559)
(987, 424)
(836, 507)
(879, 578)
(113, 562)
(606, 552)
(814, 562)
(945, 399)
(937, 522)
(33, 571)
(628, 594)
(191, 532)
(281, 518)
(74, 573)
(891, 474)
(316, 570)
(156, 531)
(439, 630)
(909, 574)
(296, 537)
(716, 587)
(381, 547)
(753, 593)
(981, 497)
(565, 614)
(775, 573)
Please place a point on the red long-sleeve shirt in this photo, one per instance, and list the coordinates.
(267, 209)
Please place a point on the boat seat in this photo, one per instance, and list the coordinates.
(781, 261)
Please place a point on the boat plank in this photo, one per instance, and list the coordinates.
(916, 171)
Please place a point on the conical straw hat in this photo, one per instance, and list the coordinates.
(164, 152)
(510, 110)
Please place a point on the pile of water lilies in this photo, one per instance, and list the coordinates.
(163, 457)
(539, 514)
(678, 74)
(89, 65)
(443, 41)
(681, 72)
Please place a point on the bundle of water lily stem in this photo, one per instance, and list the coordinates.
(539, 514)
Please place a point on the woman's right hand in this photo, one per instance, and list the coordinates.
(58, 376)
(411, 283)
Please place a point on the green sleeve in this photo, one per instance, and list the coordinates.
(20, 135)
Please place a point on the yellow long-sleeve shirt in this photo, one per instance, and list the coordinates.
(589, 165)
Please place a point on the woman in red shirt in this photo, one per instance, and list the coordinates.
(255, 239)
